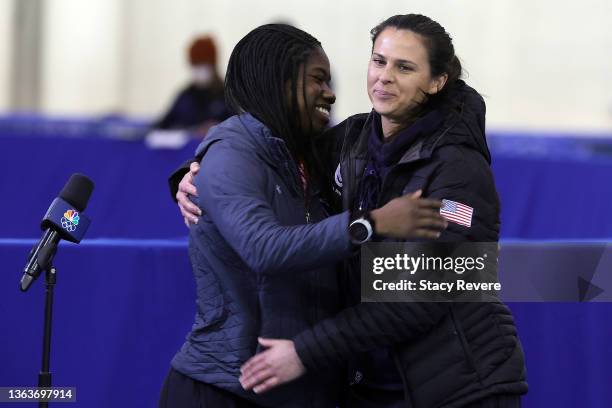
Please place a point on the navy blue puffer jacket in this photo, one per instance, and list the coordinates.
(260, 269)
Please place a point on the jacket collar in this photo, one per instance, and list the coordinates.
(422, 147)
(269, 148)
(463, 125)
(272, 149)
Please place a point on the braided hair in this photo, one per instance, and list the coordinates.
(262, 79)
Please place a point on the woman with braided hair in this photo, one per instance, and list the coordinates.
(264, 251)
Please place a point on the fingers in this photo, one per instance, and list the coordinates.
(416, 194)
(194, 167)
(188, 209)
(259, 361)
(189, 206)
(426, 233)
(186, 185)
(183, 199)
(267, 342)
(429, 203)
(255, 371)
(188, 216)
(428, 212)
(431, 219)
(432, 222)
(256, 379)
(266, 385)
(429, 225)
(253, 364)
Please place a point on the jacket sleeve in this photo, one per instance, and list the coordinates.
(233, 189)
(464, 176)
(364, 327)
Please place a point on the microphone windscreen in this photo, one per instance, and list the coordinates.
(77, 191)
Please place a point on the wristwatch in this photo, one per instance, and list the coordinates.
(361, 229)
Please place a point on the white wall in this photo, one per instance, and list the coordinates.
(155, 51)
(542, 65)
(82, 62)
(6, 38)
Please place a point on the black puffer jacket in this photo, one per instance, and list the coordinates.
(448, 355)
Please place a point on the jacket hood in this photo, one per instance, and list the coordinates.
(465, 123)
(244, 131)
(247, 133)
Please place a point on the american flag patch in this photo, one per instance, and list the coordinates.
(457, 212)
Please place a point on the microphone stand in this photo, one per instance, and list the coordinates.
(45, 259)
(44, 377)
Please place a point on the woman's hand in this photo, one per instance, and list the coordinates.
(409, 217)
(278, 364)
(189, 210)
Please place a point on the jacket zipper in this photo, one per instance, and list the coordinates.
(303, 176)
(398, 365)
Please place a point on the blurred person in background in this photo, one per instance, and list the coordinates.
(265, 251)
(426, 131)
(201, 104)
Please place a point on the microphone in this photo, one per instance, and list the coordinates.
(63, 220)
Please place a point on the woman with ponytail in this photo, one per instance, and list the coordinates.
(425, 132)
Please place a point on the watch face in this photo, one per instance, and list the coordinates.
(358, 231)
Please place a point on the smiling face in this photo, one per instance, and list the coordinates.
(399, 75)
(316, 100)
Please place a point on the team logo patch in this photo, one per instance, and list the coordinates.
(338, 176)
(457, 212)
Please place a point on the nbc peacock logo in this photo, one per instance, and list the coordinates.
(70, 220)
